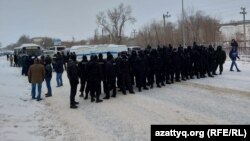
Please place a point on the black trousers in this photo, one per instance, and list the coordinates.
(105, 86)
(87, 90)
(158, 77)
(141, 79)
(220, 67)
(83, 83)
(95, 89)
(73, 89)
(111, 87)
(126, 82)
(151, 77)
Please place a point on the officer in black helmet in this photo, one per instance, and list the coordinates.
(124, 68)
(72, 72)
(182, 63)
(132, 62)
(177, 65)
(220, 59)
(82, 73)
(111, 74)
(94, 79)
(102, 64)
(140, 71)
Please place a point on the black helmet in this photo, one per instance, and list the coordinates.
(100, 56)
(84, 58)
(93, 57)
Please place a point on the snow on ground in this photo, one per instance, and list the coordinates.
(224, 99)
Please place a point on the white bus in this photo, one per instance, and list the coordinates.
(51, 53)
(57, 49)
(28, 49)
(96, 49)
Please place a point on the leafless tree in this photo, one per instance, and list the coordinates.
(114, 21)
(47, 42)
(23, 39)
(198, 27)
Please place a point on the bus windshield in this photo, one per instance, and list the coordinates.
(60, 48)
(29, 50)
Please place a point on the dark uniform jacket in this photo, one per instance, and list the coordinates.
(72, 72)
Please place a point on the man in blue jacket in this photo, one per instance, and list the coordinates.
(233, 54)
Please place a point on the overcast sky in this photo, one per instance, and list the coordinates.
(65, 19)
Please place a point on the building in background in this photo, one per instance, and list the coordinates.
(38, 40)
(234, 30)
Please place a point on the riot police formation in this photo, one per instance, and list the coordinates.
(143, 69)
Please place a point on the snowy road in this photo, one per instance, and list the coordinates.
(221, 100)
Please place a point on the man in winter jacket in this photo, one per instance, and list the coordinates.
(36, 76)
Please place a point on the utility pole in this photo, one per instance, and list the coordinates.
(244, 23)
(102, 36)
(164, 23)
(134, 32)
(183, 30)
(165, 16)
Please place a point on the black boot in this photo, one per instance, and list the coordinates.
(73, 106)
(178, 80)
(162, 84)
(124, 92)
(151, 86)
(106, 97)
(131, 92)
(158, 85)
(81, 95)
(139, 89)
(98, 101)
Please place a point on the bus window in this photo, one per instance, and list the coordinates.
(60, 48)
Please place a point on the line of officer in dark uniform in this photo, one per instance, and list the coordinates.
(160, 66)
